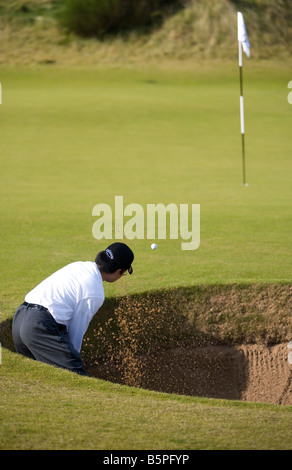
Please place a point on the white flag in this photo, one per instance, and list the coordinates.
(242, 35)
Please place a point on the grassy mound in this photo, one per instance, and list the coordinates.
(205, 29)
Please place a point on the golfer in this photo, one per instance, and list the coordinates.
(49, 326)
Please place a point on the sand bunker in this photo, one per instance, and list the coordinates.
(246, 372)
(226, 342)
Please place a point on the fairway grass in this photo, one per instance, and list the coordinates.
(73, 138)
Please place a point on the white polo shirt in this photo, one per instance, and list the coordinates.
(72, 295)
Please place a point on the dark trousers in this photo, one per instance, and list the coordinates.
(37, 335)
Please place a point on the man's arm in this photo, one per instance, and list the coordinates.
(82, 316)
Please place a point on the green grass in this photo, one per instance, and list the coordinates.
(46, 408)
(72, 138)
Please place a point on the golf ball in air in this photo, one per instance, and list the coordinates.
(153, 246)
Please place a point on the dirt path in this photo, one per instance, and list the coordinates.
(254, 373)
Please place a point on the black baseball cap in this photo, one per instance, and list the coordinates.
(122, 255)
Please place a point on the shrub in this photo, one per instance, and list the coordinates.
(99, 18)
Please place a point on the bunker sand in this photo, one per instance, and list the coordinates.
(226, 342)
(254, 373)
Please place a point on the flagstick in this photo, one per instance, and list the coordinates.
(242, 112)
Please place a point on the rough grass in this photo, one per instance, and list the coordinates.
(203, 29)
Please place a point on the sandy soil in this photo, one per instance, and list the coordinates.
(255, 373)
